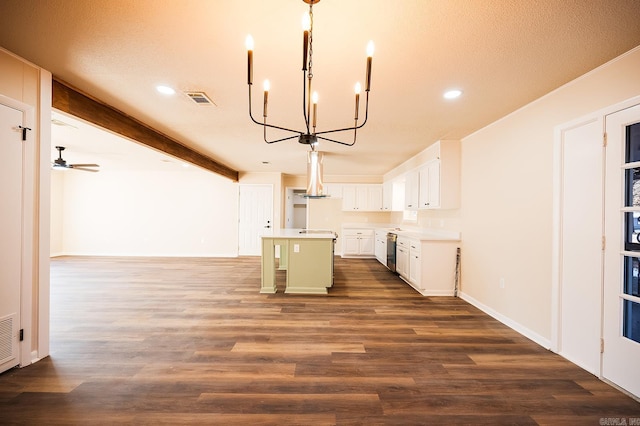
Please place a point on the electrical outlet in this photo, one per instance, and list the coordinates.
(296, 248)
(501, 282)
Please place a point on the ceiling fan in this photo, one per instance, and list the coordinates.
(60, 163)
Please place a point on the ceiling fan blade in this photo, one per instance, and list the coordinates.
(83, 169)
(84, 165)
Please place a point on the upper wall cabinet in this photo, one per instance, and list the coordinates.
(444, 176)
(411, 190)
(429, 185)
(387, 196)
(362, 197)
(435, 184)
(333, 190)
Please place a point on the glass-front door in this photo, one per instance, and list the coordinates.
(621, 322)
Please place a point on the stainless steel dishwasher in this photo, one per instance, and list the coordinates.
(391, 251)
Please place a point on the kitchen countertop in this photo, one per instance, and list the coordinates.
(300, 233)
(422, 234)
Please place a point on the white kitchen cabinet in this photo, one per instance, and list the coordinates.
(411, 190)
(333, 190)
(415, 263)
(429, 185)
(362, 197)
(402, 261)
(381, 246)
(428, 265)
(387, 196)
(436, 183)
(374, 198)
(358, 242)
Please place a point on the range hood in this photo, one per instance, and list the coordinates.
(314, 175)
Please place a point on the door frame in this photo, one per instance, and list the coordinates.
(29, 179)
(247, 185)
(556, 251)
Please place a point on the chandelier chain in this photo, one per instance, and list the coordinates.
(310, 74)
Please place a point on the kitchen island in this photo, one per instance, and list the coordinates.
(305, 255)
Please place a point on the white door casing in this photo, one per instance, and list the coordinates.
(579, 181)
(255, 217)
(11, 229)
(621, 354)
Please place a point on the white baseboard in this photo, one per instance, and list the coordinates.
(211, 255)
(544, 342)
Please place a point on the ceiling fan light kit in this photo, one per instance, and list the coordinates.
(309, 136)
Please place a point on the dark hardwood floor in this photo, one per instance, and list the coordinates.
(192, 341)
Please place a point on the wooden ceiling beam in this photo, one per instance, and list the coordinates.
(72, 101)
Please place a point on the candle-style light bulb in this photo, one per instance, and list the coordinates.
(357, 89)
(314, 99)
(249, 44)
(306, 25)
(306, 21)
(370, 49)
(266, 86)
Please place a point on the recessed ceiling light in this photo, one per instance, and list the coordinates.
(165, 90)
(452, 94)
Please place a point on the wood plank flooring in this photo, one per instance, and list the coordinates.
(192, 341)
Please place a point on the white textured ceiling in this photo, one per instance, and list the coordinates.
(501, 53)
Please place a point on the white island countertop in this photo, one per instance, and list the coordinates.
(300, 233)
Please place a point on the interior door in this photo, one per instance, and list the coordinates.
(621, 320)
(11, 231)
(256, 217)
(581, 194)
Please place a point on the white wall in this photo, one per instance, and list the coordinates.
(57, 214)
(506, 212)
(149, 213)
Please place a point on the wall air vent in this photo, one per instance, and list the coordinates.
(200, 98)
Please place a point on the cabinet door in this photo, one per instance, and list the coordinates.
(349, 198)
(333, 190)
(411, 191)
(387, 196)
(362, 198)
(433, 198)
(402, 261)
(366, 245)
(374, 198)
(415, 268)
(423, 187)
(351, 245)
(429, 186)
(381, 249)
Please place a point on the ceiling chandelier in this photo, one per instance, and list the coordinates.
(309, 136)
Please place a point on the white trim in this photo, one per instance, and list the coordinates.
(28, 232)
(556, 261)
(556, 225)
(545, 343)
(43, 216)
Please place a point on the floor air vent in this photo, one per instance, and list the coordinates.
(200, 98)
(6, 339)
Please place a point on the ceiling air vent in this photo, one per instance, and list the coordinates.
(200, 98)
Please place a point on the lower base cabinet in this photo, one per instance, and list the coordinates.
(358, 243)
(429, 266)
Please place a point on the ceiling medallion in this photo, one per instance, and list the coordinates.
(309, 136)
